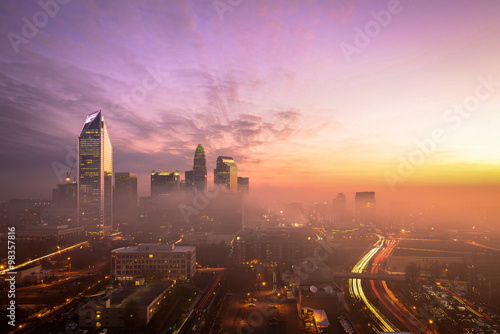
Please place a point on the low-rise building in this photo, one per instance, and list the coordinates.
(133, 305)
(32, 274)
(50, 232)
(273, 247)
(154, 262)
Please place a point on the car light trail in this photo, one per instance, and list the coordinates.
(3, 272)
(357, 290)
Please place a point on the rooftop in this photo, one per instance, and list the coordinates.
(154, 248)
(142, 295)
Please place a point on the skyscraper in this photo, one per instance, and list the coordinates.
(64, 196)
(243, 184)
(339, 205)
(200, 169)
(364, 206)
(95, 175)
(188, 181)
(226, 173)
(164, 182)
(125, 198)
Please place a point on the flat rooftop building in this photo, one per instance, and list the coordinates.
(50, 232)
(154, 262)
(133, 305)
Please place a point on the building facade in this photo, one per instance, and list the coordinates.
(243, 184)
(154, 262)
(364, 207)
(200, 169)
(273, 247)
(95, 176)
(339, 205)
(133, 305)
(164, 183)
(226, 173)
(188, 181)
(125, 198)
(65, 195)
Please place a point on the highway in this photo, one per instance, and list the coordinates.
(356, 289)
(387, 297)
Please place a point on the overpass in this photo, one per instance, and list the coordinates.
(377, 276)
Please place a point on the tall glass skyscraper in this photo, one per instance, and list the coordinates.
(200, 169)
(95, 176)
(226, 173)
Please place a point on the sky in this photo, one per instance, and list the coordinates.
(324, 96)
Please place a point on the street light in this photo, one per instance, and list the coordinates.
(69, 259)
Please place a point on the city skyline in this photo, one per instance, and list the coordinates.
(192, 74)
(237, 166)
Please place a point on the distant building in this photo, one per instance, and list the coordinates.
(164, 183)
(482, 279)
(226, 210)
(46, 233)
(243, 184)
(125, 198)
(154, 262)
(226, 173)
(200, 169)
(95, 175)
(133, 305)
(324, 212)
(188, 181)
(23, 212)
(364, 206)
(64, 199)
(339, 204)
(31, 274)
(65, 196)
(272, 247)
(56, 217)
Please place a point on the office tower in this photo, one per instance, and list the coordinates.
(65, 195)
(95, 175)
(243, 184)
(226, 173)
(188, 181)
(364, 206)
(339, 204)
(125, 198)
(64, 212)
(200, 169)
(164, 183)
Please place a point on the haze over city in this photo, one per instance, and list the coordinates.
(268, 83)
(327, 166)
